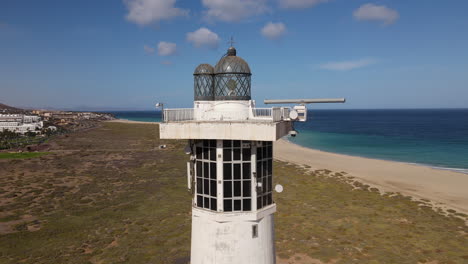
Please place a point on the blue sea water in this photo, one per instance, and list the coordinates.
(433, 137)
(145, 116)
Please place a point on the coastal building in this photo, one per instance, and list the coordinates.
(230, 172)
(20, 123)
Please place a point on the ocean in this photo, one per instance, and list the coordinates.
(431, 137)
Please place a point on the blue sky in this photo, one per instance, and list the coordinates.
(130, 54)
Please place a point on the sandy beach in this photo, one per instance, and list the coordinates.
(125, 121)
(445, 188)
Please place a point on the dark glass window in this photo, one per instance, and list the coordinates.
(227, 171)
(228, 189)
(227, 155)
(200, 201)
(246, 205)
(237, 188)
(213, 188)
(214, 206)
(237, 154)
(237, 175)
(246, 171)
(199, 185)
(264, 174)
(227, 205)
(206, 187)
(213, 154)
(246, 154)
(237, 171)
(237, 205)
(213, 170)
(246, 188)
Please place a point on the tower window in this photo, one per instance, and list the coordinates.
(237, 175)
(206, 191)
(264, 174)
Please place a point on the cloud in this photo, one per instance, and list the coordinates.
(148, 49)
(376, 13)
(166, 48)
(203, 37)
(233, 10)
(273, 30)
(347, 65)
(299, 4)
(145, 12)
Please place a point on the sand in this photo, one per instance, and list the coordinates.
(443, 188)
(125, 121)
(446, 189)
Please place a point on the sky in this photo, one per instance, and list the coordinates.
(130, 54)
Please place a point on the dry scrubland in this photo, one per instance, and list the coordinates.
(109, 195)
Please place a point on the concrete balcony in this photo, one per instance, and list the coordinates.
(259, 124)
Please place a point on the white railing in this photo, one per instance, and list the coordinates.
(178, 114)
(274, 114)
(261, 112)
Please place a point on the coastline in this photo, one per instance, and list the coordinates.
(126, 121)
(444, 188)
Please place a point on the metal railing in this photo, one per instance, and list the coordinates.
(178, 114)
(274, 114)
(261, 112)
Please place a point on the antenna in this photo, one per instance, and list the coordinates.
(231, 41)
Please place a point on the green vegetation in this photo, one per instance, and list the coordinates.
(110, 195)
(21, 155)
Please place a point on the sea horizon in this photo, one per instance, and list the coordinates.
(437, 138)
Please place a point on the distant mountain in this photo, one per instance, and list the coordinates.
(9, 109)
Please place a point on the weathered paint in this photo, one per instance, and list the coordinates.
(230, 240)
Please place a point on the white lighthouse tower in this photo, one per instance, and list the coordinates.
(230, 168)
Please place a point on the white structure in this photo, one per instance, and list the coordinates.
(20, 123)
(230, 169)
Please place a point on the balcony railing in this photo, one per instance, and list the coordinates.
(178, 114)
(274, 114)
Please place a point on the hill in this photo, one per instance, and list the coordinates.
(9, 109)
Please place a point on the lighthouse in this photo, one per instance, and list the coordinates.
(230, 170)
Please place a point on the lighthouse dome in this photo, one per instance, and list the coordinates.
(232, 64)
(203, 83)
(204, 69)
(232, 77)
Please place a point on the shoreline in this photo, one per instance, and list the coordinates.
(444, 188)
(435, 167)
(126, 121)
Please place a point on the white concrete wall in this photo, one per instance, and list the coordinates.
(222, 110)
(231, 242)
(258, 131)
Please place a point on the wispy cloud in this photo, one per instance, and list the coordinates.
(372, 12)
(145, 12)
(166, 48)
(347, 65)
(148, 49)
(203, 37)
(273, 30)
(233, 10)
(299, 4)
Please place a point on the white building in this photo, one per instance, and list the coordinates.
(19, 123)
